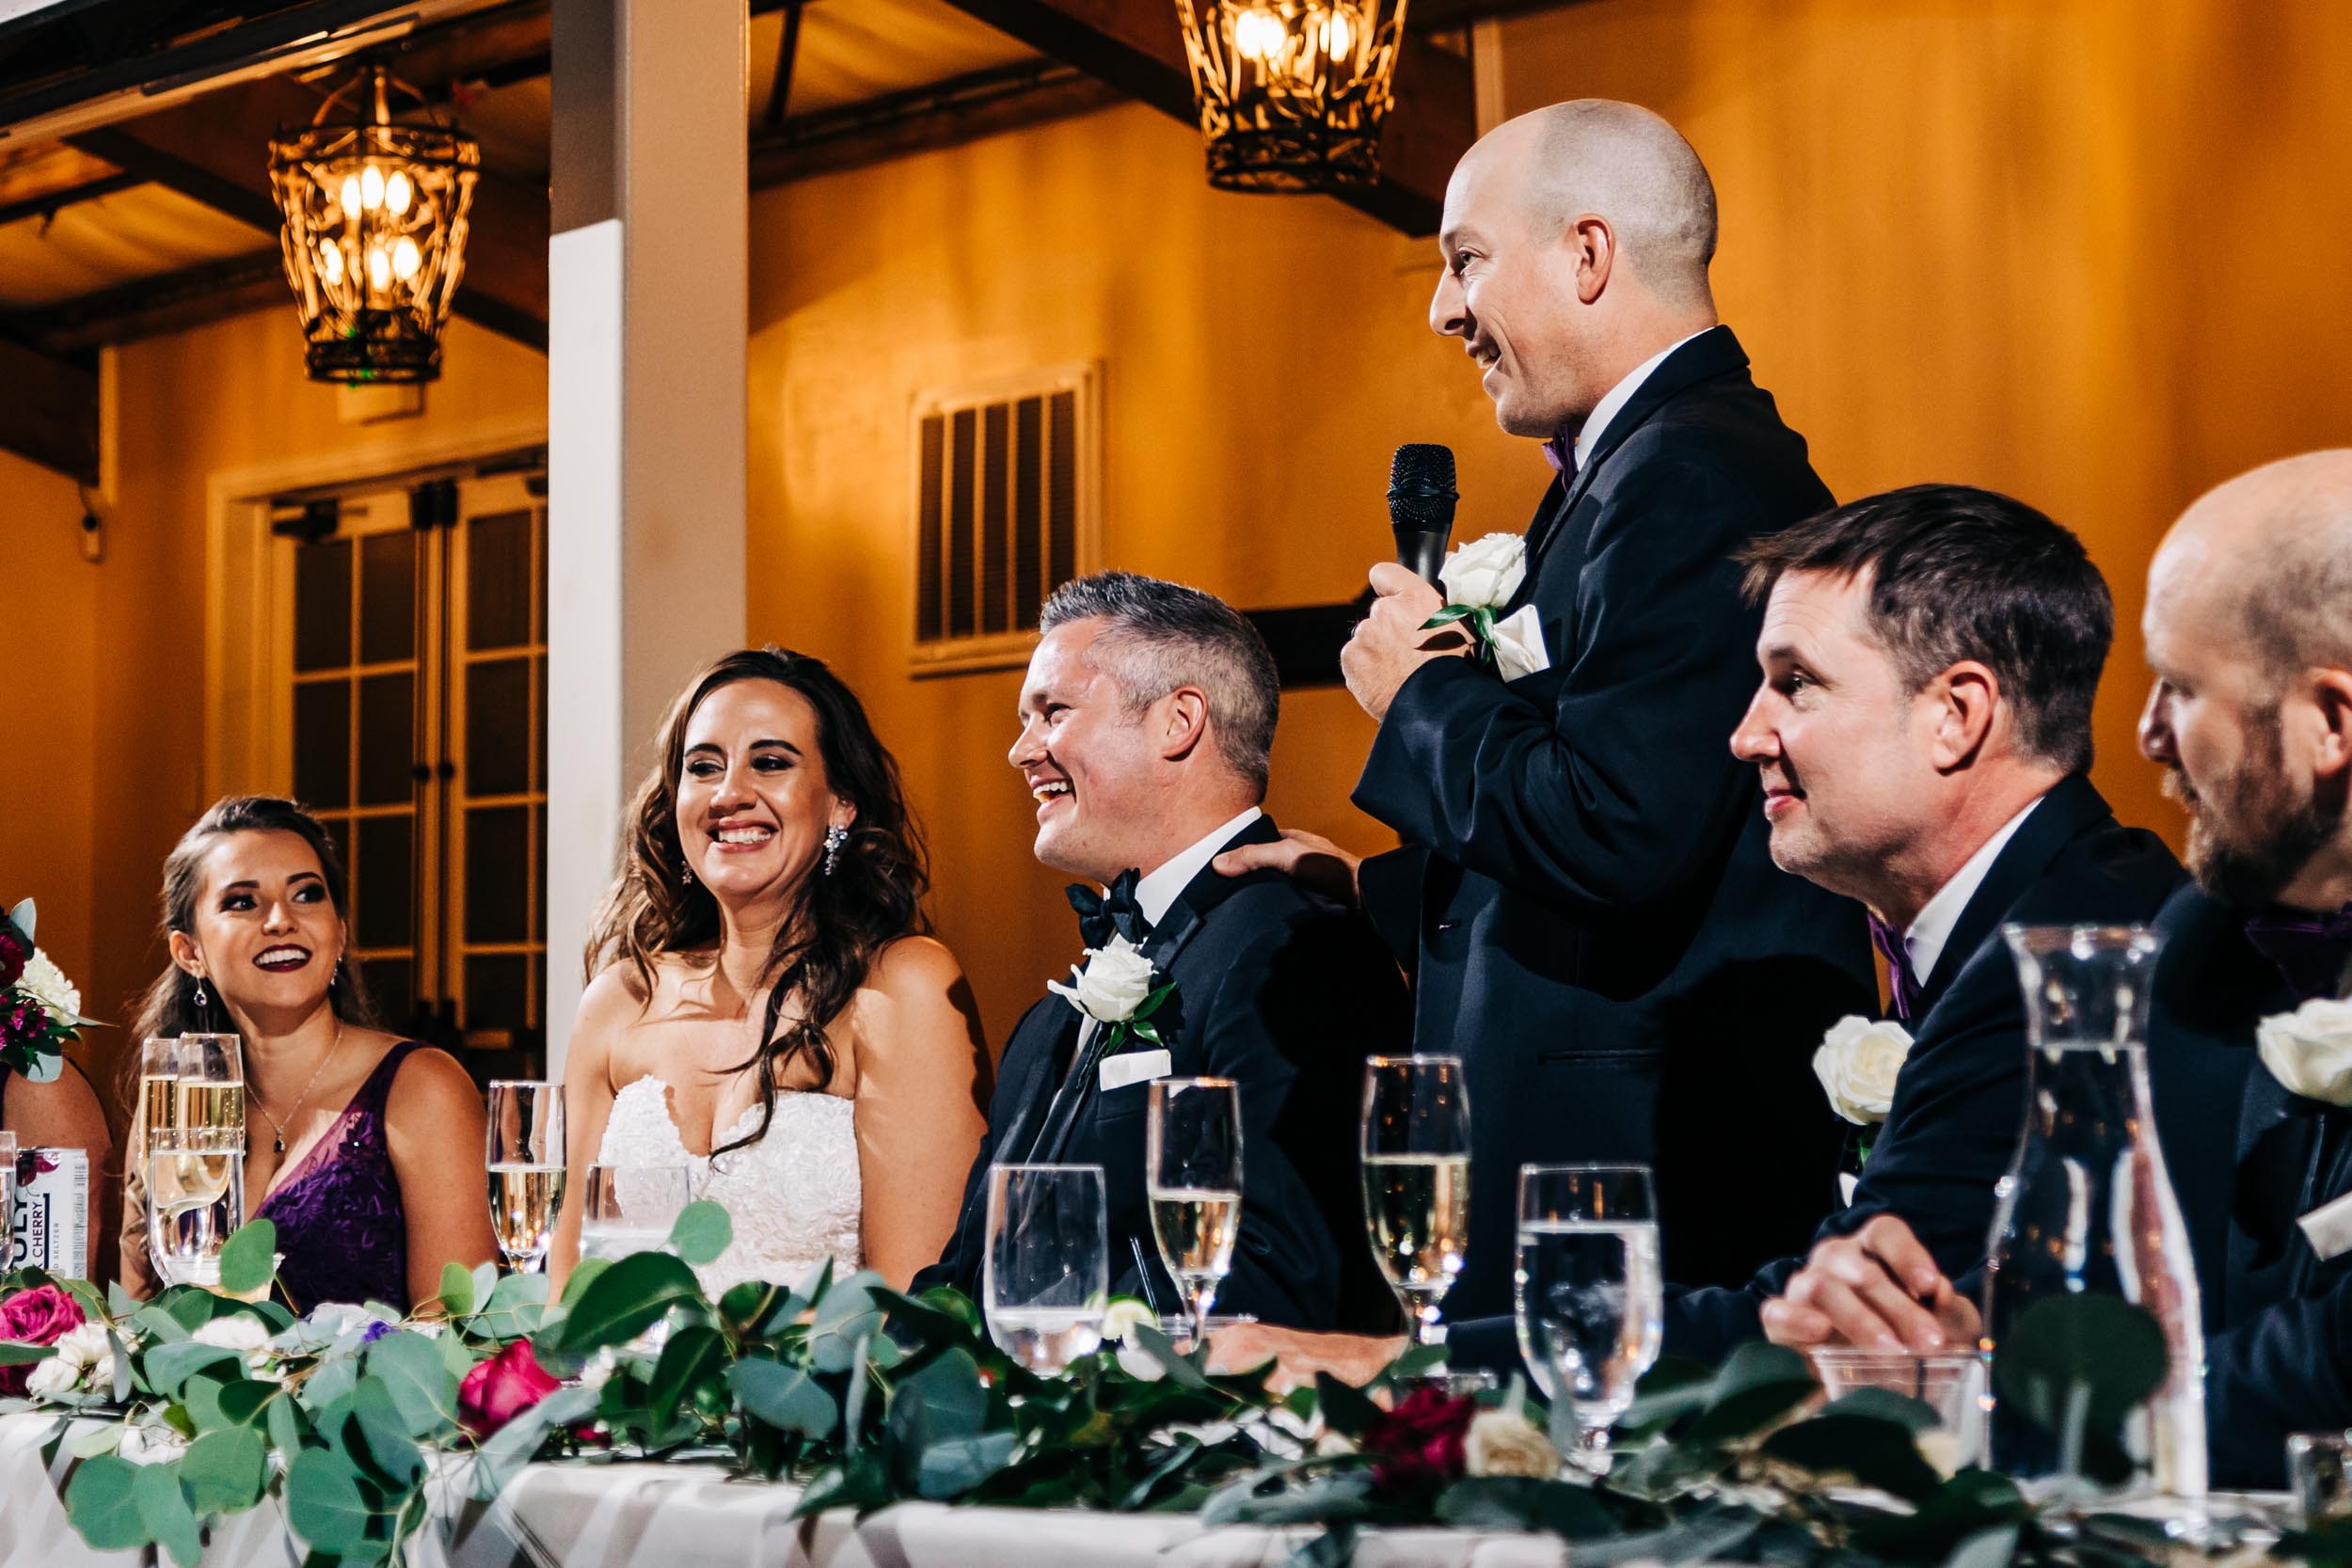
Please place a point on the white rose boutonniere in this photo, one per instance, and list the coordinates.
(1858, 1064)
(2310, 1050)
(1479, 579)
(1113, 987)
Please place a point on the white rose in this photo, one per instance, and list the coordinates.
(102, 1377)
(83, 1346)
(159, 1446)
(1140, 1363)
(1503, 1443)
(2310, 1050)
(246, 1334)
(1858, 1064)
(50, 1378)
(1486, 573)
(1113, 984)
(50, 987)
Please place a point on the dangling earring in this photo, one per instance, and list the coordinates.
(686, 876)
(835, 836)
(203, 1002)
(334, 975)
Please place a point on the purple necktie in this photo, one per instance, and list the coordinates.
(2310, 951)
(1902, 983)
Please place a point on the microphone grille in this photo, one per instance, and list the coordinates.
(1422, 467)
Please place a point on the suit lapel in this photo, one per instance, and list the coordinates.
(2071, 809)
(1037, 1039)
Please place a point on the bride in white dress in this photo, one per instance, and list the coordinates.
(765, 1009)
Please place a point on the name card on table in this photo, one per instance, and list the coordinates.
(50, 1226)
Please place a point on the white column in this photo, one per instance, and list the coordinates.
(646, 418)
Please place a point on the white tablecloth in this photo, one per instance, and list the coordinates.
(582, 1515)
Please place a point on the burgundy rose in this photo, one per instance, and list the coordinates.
(15, 952)
(39, 1316)
(501, 1388)
(1419, 1444)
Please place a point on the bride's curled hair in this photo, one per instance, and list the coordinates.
(839, 923)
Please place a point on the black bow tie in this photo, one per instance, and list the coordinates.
(1111, 913)
(2310, 951)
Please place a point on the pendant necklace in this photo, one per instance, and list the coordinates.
(278, 1145)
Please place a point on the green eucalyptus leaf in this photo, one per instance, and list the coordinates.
(1163, 1349)
(945, 1401)
(17, 1354)
(702, 1232)
(743, 1304)
(382, 1437)
(23, 917)
(201, 1396)
(1988, 1548)
(1757, 1386)
(2103, 1345)
(248, 1258)
(584, 1274)
(1445, 617)
(625, 1300)
(418, 1380)
(517, 1444)
(693, 1357)
(1873, 1452)
(169, 1366)
(1413, 1362)
(954, 1468)
(332, 1380)
(1327, 1499)
(849, 1312)
(245, 1402)
(98, 1504)
(1522, 1503)
(1347, 1409)
(163, 1511)
(324, 1503)
(1885, 1404)
(457, 1296)
(515, 1307)
(784, 1397)
(225, 1470)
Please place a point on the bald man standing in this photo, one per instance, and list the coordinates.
(1587, 900)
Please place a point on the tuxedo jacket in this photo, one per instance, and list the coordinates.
(1960, 1099)
(1279, 991)
(2247, 1160)
(1586, 899)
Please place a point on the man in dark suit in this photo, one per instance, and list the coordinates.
(1586, 899)
(1147, 718)
(2248, 629)
(1923, 733)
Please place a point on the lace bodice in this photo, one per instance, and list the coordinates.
(795, 1195)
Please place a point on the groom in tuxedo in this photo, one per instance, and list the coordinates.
(1147, 718)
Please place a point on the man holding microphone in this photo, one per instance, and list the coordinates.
(1585, 900)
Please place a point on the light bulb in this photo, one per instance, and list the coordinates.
(398, 192)
(351, 195)
(1257, 35)
(1338, 35)
(405, 259)
(330, 261)
(379, 268)
(371, 188)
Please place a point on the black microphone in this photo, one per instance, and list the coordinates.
(1421, 506)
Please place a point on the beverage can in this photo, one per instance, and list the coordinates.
(49, 1227)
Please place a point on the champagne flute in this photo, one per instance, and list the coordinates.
(159, 1081)
(1589, 1293)
(1045, 1270)
(211, 1070)
(195, 1198)
(525, 1154)
(631, 1208)
(1192, 1169)
(1416, 1170)
(8, 1201)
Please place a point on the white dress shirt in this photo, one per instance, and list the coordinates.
(1618, 396)
(1924, 939)
(1157, 893)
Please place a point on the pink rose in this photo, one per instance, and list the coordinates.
(36, 1317)
(501, 1388)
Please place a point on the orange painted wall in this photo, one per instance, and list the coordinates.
(2089, 252)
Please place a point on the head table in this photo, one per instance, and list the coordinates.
(579, 1515)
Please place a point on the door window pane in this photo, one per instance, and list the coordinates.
(384, 882)
(497, 727)
(322, 743)
(391, 986)
(498, 873)
(498, 994)
(387, 597)
(322, 605)
(388, 755)
(498, 581)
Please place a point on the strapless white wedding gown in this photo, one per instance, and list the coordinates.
(795, 1195)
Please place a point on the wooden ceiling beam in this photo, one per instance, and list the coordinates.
(49, 411)
(947, 114)
(217, 152)
(1137, 46)
(146, 307)
(1431, 16)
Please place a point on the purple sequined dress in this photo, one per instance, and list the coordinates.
(338, 1215)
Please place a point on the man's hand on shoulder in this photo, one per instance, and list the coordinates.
(1299, 1354)
(1878, 1289)
(1389, 644)
(1312, 862)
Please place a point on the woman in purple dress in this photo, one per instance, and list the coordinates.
(365, 1150)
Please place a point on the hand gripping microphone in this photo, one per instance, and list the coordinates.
(1421, 506)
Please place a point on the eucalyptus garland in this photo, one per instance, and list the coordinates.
(198, 1404)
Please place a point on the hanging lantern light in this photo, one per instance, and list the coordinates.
(1291, 92)
(374, 233)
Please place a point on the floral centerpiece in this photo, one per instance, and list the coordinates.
(40, 1008)
(195, 1407)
